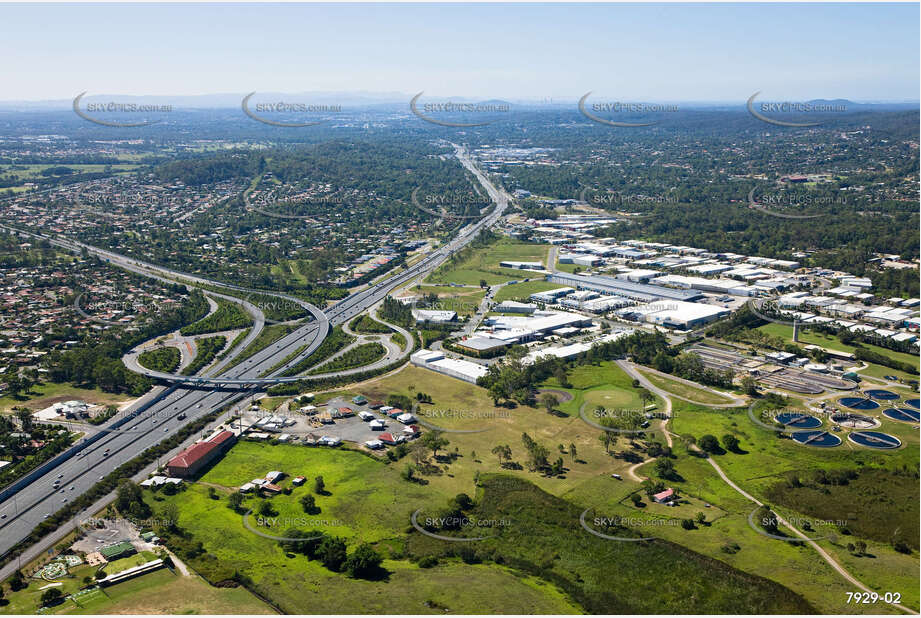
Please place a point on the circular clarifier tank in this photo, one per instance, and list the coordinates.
(906, 415)
(816, 438)
(798, 420)
(858, 403)
(882, 395)
(874, 439)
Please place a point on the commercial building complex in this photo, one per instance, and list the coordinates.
(460, 369)
(619, 287)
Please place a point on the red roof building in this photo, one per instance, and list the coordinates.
(193, 459)
(664, 496)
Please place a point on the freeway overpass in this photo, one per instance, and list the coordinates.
(157, 415)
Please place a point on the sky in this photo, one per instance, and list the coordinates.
(650, 52)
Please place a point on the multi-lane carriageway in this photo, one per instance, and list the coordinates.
(95, 457)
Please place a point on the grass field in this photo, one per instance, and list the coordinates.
(684, 390)
(880, 372)
(606, 576)
(483, 263)
(763, 462)
(159, 592)
(368, 501)
(831, 342)
(505, 426)
(521, 291)
(605, 385)
(43, 395)
(464, 301)
(164, 592)
(121, 564)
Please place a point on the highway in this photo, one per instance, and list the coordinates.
(20, 513)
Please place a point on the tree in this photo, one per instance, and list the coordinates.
(331, 553)
(607, 439)
(766, 518)
(731, 443)
(557, 468)
(750, 386)
(572, 451)
(709, 443)
(665, 468)
(308, 503)
(17, 581)
(497, 392)
(235, 500)
(483, 283)
(169, 516)
(319, 486)
(129, 501)
(434, 441)
(646, 397)
(549, 401)
(502, 452)
(408, 473)
(860, 547)
(292, 540)
(51, 596)
(266, 509)
(363, 562)
(419, 453)
(537, 457)
(462, 501)
(700, 518)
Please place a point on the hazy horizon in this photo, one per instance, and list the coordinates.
(720, 53)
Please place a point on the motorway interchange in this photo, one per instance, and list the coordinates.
(167, 409)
